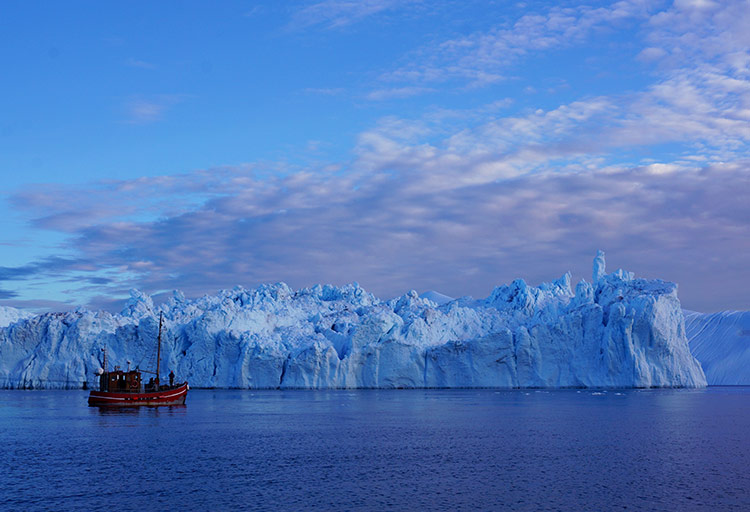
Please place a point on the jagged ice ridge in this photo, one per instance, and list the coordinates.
(618, 331)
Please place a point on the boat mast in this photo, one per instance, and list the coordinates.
(158, 350)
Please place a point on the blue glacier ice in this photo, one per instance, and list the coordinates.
(721, 342)
(618, 331)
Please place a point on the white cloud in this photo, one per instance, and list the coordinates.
(137, 63)
(651, 54)
(151, 109)
(396, 93)
(325, 91)
(340, 13)
(703, 32)
(480, 59)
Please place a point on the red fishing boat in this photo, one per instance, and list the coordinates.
(126, 388)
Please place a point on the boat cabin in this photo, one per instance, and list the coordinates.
(120, 381)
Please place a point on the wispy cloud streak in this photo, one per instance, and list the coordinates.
(482, 57)
(145, 110)
(340, 13)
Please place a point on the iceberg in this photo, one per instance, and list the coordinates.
(617, 331)
(721, 342)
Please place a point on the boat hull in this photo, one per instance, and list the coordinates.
(174, 396)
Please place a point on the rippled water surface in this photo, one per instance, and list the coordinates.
(380, 450)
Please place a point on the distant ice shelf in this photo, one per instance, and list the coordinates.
(617, 331)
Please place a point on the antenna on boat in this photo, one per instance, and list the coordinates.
(158, 350)
(104, 363)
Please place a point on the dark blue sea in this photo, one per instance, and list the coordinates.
(380, 450)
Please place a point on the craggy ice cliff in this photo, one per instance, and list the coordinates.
(615, 332)
(721, 342)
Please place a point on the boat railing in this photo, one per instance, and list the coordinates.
(145, 388)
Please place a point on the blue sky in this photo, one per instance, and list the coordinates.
(402, 144)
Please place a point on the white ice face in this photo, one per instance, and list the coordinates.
(618, 331)
(720, 341)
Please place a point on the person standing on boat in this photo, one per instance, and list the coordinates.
(171, 378)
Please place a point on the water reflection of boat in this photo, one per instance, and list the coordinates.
(126, 388)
